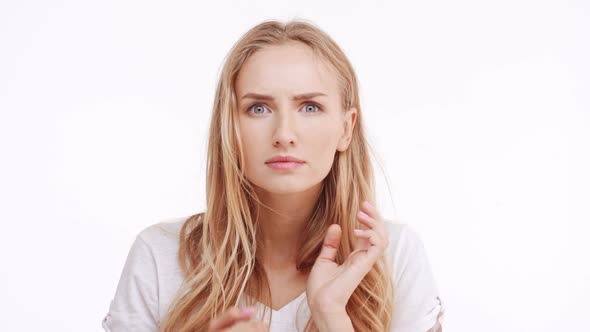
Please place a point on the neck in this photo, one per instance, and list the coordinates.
(282, 221)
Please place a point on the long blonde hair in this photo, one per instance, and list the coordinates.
(218, 249)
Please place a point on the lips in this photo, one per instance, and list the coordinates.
(284, 165)
(284, 159)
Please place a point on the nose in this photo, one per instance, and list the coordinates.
(284, 135)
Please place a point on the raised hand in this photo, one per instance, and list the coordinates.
(330, 285)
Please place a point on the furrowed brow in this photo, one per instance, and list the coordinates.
(308, 95)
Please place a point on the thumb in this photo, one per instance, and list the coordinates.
(331, 243)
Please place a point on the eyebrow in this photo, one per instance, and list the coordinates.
(296, 97)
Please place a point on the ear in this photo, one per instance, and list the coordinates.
(349, 122)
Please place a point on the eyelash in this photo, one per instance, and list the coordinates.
(319, 108)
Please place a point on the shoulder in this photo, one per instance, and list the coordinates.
(154, 251)
(406, 252)
(163, 233)
(395, 228)
(405, 249)
(150, 278)
(403, 239)
(407, 255)
(417, 302)
(157, 246)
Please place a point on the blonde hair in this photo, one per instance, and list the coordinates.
(218, 249)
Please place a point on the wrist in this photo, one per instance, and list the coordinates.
(335, 320)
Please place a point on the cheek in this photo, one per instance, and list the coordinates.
(321, 146)
(256, 145)
(248, 139)
(252, 130)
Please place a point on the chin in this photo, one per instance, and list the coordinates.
(285, 186)
(277, 188)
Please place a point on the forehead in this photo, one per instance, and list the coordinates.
(290, 68)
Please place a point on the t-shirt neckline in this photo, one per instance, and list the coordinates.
(287, 306)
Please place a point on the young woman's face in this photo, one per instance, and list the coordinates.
(310, 128)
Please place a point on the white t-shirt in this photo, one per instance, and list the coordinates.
(151, 277)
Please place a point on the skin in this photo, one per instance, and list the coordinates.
(296, 128)
(312, 129)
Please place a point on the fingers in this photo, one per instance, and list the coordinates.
(375, 239)
(331, 243)
(369, 216)
(231, 317)
(375, 234)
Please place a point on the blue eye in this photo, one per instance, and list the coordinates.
(254, 108)
(258, 109)
(307, 107)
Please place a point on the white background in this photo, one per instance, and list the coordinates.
(478, 110)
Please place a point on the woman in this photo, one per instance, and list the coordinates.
(290, 211)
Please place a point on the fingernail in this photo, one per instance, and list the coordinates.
(247, 311)
(358, 231)
(363, 214)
